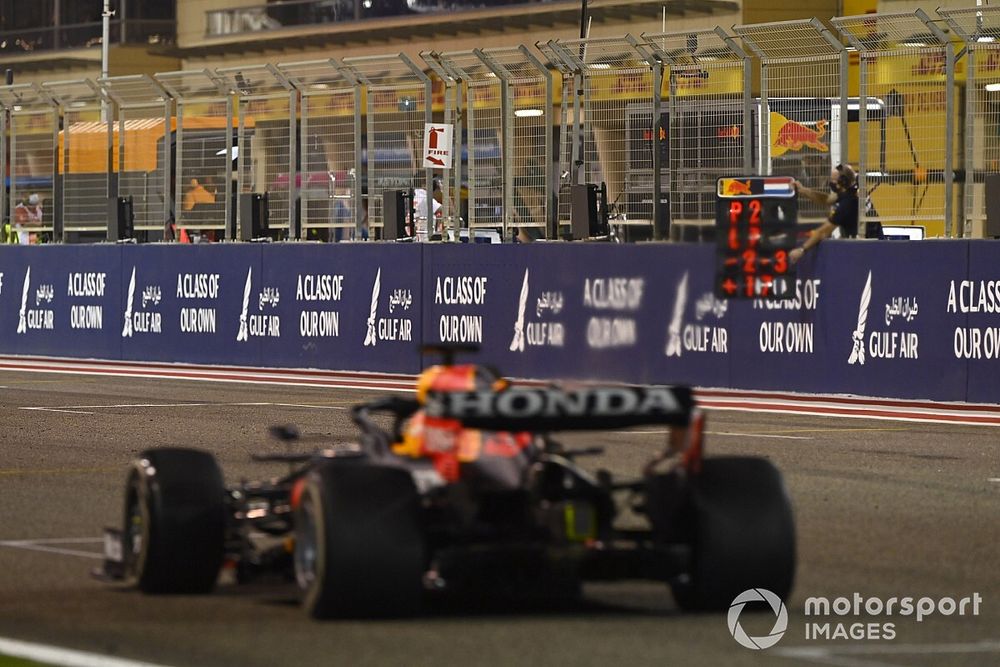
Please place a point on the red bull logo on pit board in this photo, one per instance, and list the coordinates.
(732, 187)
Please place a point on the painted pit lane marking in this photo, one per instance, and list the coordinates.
(64, 657)
(859, 656)
(46, 546)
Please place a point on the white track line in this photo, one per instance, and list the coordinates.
(306, 405)
(74, 409)
(759, 435)
(728, 433)
(899, 415)
(57, 540)
(64, 657)
(824, 405)
(29, 546)
(276, 380)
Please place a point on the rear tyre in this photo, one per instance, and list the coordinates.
(359, 546)
(175, 519)
(742, 533)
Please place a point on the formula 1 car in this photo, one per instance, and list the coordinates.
(465, 491)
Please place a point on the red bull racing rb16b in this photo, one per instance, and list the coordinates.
(463, 489)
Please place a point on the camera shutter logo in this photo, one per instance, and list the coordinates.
(780, 623)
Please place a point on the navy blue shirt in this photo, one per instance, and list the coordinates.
(844, 212)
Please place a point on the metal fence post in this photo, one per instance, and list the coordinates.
(709, 119)
(979, 29)
(617, 80)
(399, 103)
(330, 198)
(4, 210)
(661, 220)
(551, 186)
(907, 80)
(802, 108)
(268, 98)
(83, 204)
(33, 126)
(747, 94)
(201, 154)
(231, 230)
(452, 100)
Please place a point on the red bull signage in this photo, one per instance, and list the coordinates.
(789, 135)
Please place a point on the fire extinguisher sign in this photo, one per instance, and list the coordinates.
(437, 145)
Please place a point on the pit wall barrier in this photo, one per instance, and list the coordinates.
(904, 320)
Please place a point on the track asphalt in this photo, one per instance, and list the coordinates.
(883, 509)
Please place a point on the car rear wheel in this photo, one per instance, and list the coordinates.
(359, 545)
(175, 517)
(738, 518)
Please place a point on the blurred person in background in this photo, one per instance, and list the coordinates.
(843, 213)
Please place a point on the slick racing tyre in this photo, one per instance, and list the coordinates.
(739, 521)
(175, 517)
(359, 544)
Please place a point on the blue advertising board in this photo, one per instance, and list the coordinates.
(881, 323)
(865, 320)
(628, 313)
(60, 300)
(184, 303)
(971, 320)
(904, 320)
(347, 306)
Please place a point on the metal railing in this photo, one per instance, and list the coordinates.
(906, 83)
(83, 149)
(979, 28)
(32, 136)
(329, 185)
(204, 153)
(707, 125)
(142, 150)
(267, 114)
(655, 118)
(803, 102)
(398, 106)
(620, 86)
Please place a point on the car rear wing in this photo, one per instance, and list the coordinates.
(555, 409)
